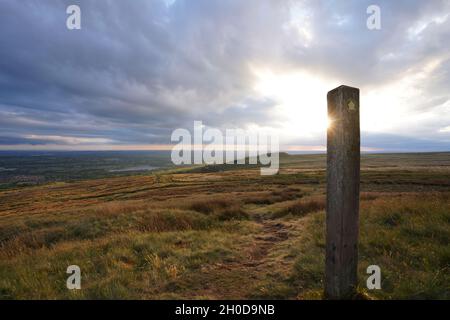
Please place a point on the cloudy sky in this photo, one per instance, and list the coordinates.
(137, 70)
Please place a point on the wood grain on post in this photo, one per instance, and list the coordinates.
(342, 217)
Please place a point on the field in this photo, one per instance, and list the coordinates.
(31, 168)
(225, 232)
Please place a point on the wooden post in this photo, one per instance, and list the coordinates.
(343, 165)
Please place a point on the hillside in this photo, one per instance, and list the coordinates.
(225, 233)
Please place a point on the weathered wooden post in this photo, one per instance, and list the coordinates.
(343, 165)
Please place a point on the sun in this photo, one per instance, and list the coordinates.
(300, 97)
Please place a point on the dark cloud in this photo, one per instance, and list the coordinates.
(138, 69)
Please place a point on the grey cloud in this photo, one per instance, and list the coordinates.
(399, 143)
(138, 69)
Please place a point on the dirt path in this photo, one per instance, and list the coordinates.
(272, 233)
(258, 268)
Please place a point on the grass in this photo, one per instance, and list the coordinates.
(225, 234)
(302, 207)
(406, 235)
(222, 209)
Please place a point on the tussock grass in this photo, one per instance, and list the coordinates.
(126, 266)
(173, 220)
(274, 196)
(221, 208)
(302, 207)
(101, 224)
(408, 236)
(224, 235)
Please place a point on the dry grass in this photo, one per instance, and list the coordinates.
(200, 235)
(280, 195)
(221, 208)
(406, 235)
(302, 207)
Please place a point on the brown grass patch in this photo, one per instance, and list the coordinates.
(221, 208)
(302, 208)
(274, 196)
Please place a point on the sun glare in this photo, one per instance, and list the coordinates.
(300, 99)
(329, 122)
